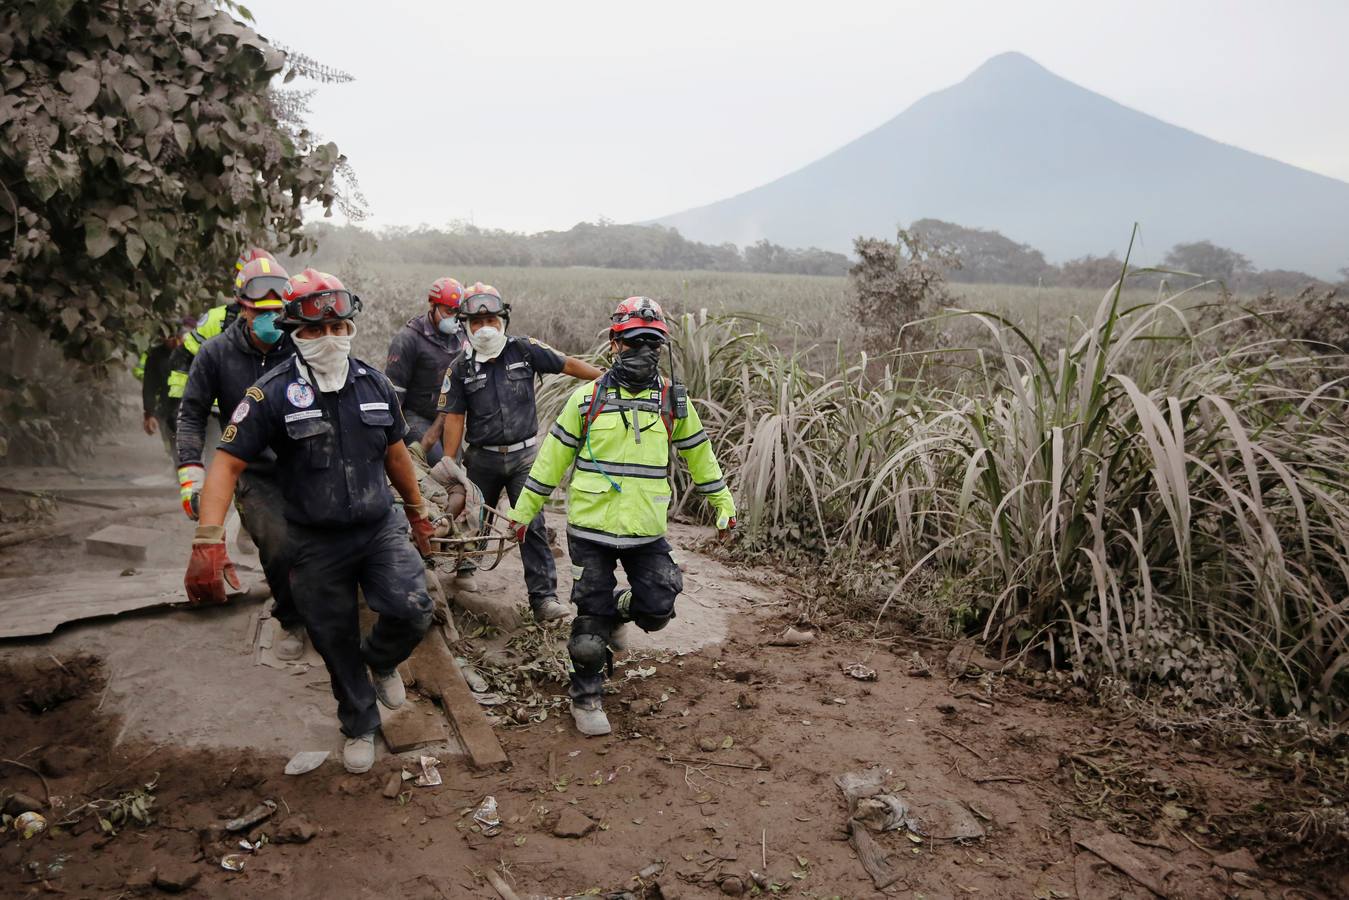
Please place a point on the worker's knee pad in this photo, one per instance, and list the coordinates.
(652, 623)
(589, 644)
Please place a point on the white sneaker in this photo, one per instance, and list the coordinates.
(550, 610)
(291, 643)
(592, 722)
(389, 688)
(358, 753)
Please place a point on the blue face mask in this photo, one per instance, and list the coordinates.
(264, 326)
(448, 325)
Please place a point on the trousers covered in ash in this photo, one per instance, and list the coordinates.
(655, 582)
(257, 497)
(329, 565)
(495, 472)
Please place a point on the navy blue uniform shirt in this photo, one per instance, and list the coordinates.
(418, 358)
(329, 447)
(497, 397)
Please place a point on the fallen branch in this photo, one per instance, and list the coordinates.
(1013, 779)
(959, 743)
(46, 788)
(501, 887)
(757, 767)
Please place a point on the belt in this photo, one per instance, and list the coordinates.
(506, 448)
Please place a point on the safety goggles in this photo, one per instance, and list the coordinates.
(262, 286)
(324, 305)
(645, 313)
(482, 305)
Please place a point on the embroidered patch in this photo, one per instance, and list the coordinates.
(300, 394)
(445, 385)
(366, 407)
(228, 434)
(304, 414)
(254, 394)
(240, 412)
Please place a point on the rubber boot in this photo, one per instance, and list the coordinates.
(590, 719)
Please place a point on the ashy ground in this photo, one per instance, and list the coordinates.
(721, 777)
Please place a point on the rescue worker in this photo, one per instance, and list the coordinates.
(618, 432)
(222, 374)
(487, 401)
(214, 321)
(159, 412)
(333, 423)
(419, 354)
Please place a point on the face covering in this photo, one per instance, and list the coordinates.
(488, 342)
(637, 367)
(328, 358)
(264, 327)
(448, 325)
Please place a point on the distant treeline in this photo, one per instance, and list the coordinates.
(985, 256)
(604, 244)
(990, 257)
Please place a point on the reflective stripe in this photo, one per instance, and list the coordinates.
(401, 390)
(630, 470)
(691, 441)
(711, 487)
(539, 487)
(564, 436)
(611, 540)
(177, 382)
(192, 342)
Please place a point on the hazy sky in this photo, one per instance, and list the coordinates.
(538, 115)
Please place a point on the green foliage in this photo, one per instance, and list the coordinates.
(139, 149)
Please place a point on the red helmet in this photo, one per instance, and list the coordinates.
(483, 300)
(313, 296)
(639, 317)
(250, 254)
(446, 292)
(261, 284)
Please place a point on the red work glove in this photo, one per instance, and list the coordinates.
(422, 529)
(724, 528)
(518, 532)
(209, 569)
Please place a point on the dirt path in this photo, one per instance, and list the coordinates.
(721, 769)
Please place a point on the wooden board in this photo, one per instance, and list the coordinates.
(435, 671)
(31, 606)
(413, 725)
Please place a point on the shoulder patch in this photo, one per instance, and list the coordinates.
(300, 395)
(240, 412)
(253, 394)
(538, 343)
(228, 434)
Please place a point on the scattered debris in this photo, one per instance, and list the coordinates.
(20, 803)
(487, 817)
(917, 666)
(233, 862)
(860, 672)
(306, 761)
(885, 812)
(1140, 864)
(792, 638)
(430, 775)
(295, 829)
(141, 880)
(708, 744)
(873, 859)
(177, 877)
(731, 885)
(1237, 861)
(29, 824)
(259, 813)
(394, 786)
(573, 824)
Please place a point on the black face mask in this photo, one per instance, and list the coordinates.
(637, 367)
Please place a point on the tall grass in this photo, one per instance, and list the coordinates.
(1143, 501)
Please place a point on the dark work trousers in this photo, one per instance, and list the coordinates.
(329, 564)
(257, 497)
(653, 576)
(418, 426)
(492, 472)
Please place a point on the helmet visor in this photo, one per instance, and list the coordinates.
(263, 286)
(324, 305)
(644, 313)
(482, 305)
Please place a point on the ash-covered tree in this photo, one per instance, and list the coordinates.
(987, 256)
(141, 144)
(1209, 260)
(894, 284)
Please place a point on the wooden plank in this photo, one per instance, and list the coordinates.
(413, 725)
(31, 608)
(436, 673)
(122, 542)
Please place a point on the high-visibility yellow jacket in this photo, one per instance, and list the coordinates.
(620, 494)
(216, 320)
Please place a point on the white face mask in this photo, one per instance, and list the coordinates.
(488, 342)
(328, 357)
